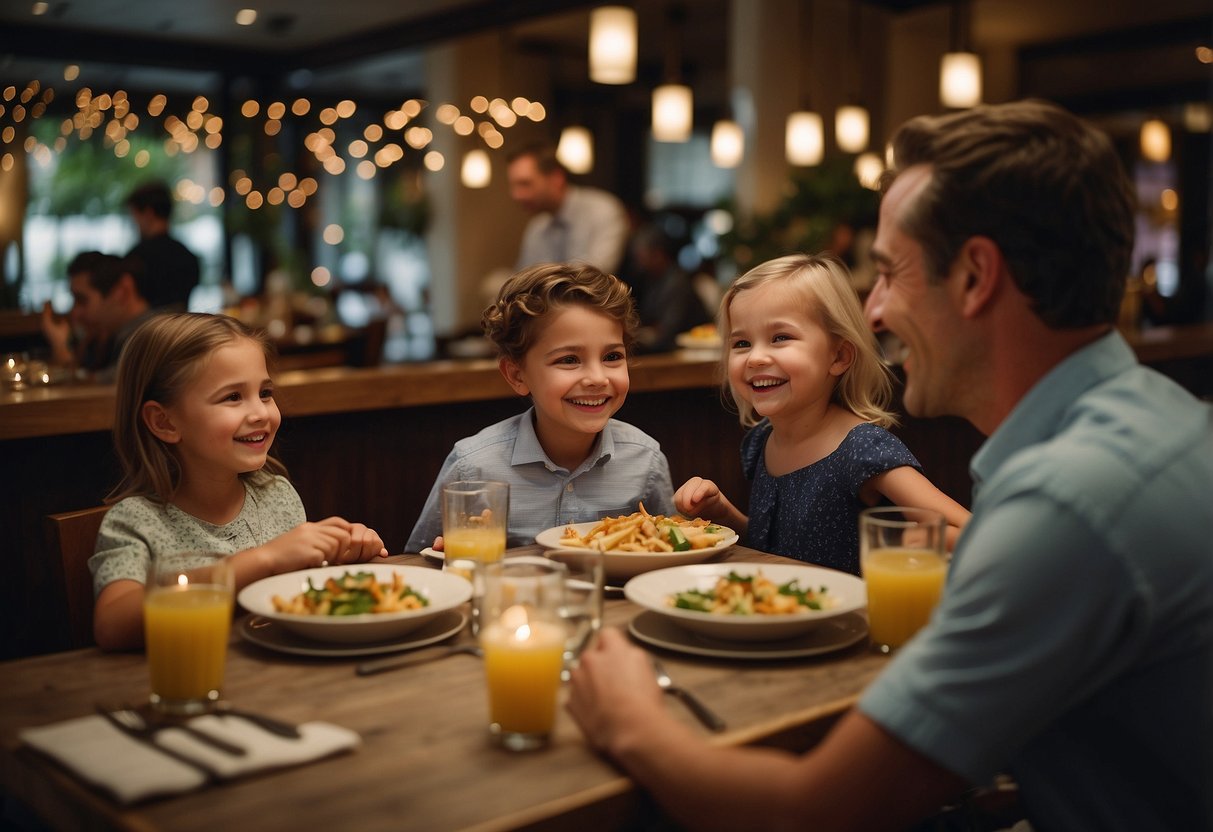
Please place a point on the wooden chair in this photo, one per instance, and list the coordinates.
(73, 535)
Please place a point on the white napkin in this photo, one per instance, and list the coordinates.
(132, 770)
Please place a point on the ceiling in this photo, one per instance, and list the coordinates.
(375, 47)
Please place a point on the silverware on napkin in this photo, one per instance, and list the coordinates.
(381, 665)
(701, 711)
(136, 723)
(266, 723)
(148, 738)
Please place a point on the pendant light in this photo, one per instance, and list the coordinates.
(960, 68)
(613, 45)
(1155, 141)
(575, 150)
(851, 121)
(477, 171)
(728, 143)
(804, 134)
(673, 102)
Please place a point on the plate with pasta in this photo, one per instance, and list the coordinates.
(641, 542)
(748, 601)
(357, 603)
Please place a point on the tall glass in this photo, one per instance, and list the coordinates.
(475, 516)
(903, 557)
(523, 641)
(581, 610)
(187, 618)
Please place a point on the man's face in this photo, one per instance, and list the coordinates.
(533, 189)
(92, 312)
(920, 313)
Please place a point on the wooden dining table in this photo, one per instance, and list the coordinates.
(425, 760)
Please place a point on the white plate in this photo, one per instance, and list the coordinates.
(652, 590)
(444, 590)
(620, 566)
(835, 634)
(273, 636)
(431, 552)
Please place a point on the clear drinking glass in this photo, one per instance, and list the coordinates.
(475, 516)
(904, 560)
(582, 607)
(187, 618)
(523, 639)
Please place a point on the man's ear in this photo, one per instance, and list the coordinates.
(160, 422)
(844, 357)
(513, 376)
(984, 269)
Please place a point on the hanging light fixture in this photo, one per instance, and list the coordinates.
(575, 150)
(851, 128)
(728, 143)
(868, 168)
(613, 45)
(960, 68)
(804, 141)
(851, 120)
(804, 134)
(673, 102)
(477, 171)
(1155, 141)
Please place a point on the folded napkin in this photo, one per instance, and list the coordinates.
(131, 769)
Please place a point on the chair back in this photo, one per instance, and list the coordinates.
(73, 535)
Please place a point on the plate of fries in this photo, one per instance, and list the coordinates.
(357, 603)
(730, 601)
(641, 542)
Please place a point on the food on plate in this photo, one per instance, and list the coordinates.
(354, 593)
(644, 532)
(736, 594)
(703, 332)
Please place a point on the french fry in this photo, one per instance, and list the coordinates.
(644, 532)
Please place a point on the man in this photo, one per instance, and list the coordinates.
(107, 306)
(170, 269)
(667, 301)
(1073, 647)
(569, 222)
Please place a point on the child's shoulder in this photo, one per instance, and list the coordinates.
(627, 433)
(504, 431)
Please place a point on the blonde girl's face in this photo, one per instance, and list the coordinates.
(576, 373)
(780, 359)
(225, 419)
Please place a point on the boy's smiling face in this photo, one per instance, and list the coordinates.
(576, 374)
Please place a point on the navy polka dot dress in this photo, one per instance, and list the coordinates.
(812, 514)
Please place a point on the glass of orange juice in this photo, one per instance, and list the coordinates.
(523, 639)
(904, 561)
(187, 618)
(474, 519)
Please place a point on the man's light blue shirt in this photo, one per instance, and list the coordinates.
(1074, 643)
(624, 467)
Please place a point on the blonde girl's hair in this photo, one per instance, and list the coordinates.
(158, 361)
(513, 322)
(823, 286)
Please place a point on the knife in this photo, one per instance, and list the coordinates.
(267, 723)
(381, 665)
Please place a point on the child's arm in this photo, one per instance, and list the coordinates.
(905, 486)
(118, 612)
(698, 497)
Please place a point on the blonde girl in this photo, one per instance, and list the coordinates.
(194, 422)
(804, 372)
(562, 331)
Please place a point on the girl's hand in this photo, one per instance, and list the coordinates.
(698, 497)
(307, 545)
(364, 543)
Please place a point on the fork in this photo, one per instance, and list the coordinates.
(701, 711)
(136, 724)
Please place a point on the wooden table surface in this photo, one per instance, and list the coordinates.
(425, 760)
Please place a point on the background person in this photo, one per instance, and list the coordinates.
(107, 305)
(569, 222)
(1073, 645)
(667, 301)
(170, 269)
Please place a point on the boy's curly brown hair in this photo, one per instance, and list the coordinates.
(513, 321)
